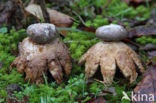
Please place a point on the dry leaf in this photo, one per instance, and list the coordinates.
(149, 47)
(25, 99)
(10, 93)
(154, 60)
(6, 12)
(96, 100)
(136, 1)
(139, 31)
(147, 85)
(13, 14)
(88, 29)
(152, 56)
(57, 18)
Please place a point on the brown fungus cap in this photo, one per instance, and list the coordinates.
(42, 33)
(112, 32)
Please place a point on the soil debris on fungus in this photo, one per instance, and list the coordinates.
(108, 54)
(35, 59)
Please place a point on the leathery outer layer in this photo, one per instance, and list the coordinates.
(107, 55)
(36, 59)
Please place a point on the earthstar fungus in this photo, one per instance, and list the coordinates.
(109, 54)
(42, 52)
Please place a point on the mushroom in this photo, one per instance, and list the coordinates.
(109, 54)
(42, 33)
(42, 52)
(112, 32)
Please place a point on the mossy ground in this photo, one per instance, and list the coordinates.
(71, 90)
(74, 88)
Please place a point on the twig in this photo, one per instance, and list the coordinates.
(79, 17)
(44, 10)
(149, 62)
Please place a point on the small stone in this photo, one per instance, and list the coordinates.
(112, 32)
(42, 33)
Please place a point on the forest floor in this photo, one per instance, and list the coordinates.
(77, 20)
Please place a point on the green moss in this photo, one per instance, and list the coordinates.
(146, 39)
(79, 43)
(116, 9)
(75, 88)
(8, 48)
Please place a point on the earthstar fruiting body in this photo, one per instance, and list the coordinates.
(42, 32)
(35, 59)
(112, 32)
(109, 54)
